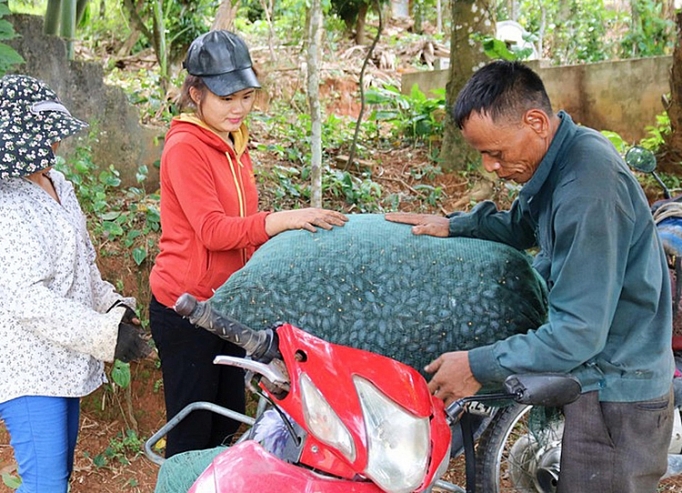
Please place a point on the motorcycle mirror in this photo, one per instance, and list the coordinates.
(543, 389)
(641, 159)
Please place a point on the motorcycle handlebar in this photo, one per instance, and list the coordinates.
(535, 389)
(261, 345)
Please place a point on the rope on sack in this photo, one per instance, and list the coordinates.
(667, 210)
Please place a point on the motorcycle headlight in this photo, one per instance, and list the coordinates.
(323, 422)
(399, 442)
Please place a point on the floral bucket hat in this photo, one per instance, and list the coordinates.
(32, 118)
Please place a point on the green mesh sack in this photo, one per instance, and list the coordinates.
(178, 473)
(374, 285)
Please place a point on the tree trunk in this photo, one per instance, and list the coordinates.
(360, 24)
(313, 79)
(668, 10)
(361, 84)
(136, 20)
(80, 10)
(129, 43)
(418, 17)
(269, 10)
(224, 17)
(672, 154)
(468, 16)
(68, 25)
(51, 24)
(159, 42)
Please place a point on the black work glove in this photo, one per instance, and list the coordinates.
(130, 317)
(130, 344)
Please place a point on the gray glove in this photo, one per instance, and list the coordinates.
(131, 344)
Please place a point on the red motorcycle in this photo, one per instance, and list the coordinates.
(339, 419)
(667, 214)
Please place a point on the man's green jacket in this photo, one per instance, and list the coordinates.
(610, 321)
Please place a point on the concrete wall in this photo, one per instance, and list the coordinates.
(622, 96)
(122, 141)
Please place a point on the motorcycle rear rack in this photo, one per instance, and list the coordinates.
(172, 423)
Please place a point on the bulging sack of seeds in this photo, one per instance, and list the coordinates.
(373, 285)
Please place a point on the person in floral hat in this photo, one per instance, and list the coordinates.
(58, 319)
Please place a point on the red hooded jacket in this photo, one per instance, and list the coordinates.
(210, 224)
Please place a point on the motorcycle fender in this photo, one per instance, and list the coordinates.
(247, 467)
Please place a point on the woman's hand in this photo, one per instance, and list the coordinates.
(310, 219)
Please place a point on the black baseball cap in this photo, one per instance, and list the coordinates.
(221, 59)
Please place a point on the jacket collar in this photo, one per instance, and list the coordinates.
(240, 137)
(565, 132)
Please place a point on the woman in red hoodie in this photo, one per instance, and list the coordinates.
(210, 227)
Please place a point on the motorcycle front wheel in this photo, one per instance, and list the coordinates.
(520, 451)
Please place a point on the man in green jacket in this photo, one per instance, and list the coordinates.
(610, 321)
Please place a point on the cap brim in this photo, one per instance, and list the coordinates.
(70, 126)
(231, 82)
(26, 150)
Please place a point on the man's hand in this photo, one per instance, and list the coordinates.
(422, 224)
(453, 378)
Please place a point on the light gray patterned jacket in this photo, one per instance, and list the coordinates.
(55, 330)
